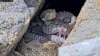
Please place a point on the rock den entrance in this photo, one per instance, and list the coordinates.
(50, 27)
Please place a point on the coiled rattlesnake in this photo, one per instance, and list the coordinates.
(60, 23)
(56, 27)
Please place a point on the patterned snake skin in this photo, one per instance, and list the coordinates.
(46, 31)
(35, 32)
(61, 25)
(63, 19)
(43, 31)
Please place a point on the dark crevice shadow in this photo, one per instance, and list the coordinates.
(73, 6)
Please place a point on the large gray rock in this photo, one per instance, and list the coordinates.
(14, 20)
(87, 23)
(87, 48)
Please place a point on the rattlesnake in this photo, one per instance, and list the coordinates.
(63, 21)
(51, 28)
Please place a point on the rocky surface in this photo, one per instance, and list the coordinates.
(15, 53)
(87, 23)
(14, 20)
(86, 28)
(35, 48)
(48, 14)
(86, 48)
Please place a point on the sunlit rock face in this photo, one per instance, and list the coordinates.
(87, 23)
(86, 48)
(14, 20)
(87, 29)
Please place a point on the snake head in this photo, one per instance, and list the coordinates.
(60, 37)
(62, 34)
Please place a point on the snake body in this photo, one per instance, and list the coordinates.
(35, 33)
(43, 31)
(46, 30)
(63, 19)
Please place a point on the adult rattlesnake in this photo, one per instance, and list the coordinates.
(55, 26)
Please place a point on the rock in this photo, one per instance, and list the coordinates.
(15, 53)
(48, 14)
(35, 48)
(87, 23)
(30, 3)
(34, 6)
(14, 20)
(86, 48)
(50, 49)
